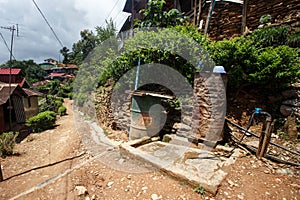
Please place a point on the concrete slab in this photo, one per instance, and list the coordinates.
(195, 166)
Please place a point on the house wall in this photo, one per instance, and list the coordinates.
(227, 16)
(2, 123)
(30, 106)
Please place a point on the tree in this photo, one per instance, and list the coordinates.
(103, 33)
(155, 16)
(89, 40)
(65, 52)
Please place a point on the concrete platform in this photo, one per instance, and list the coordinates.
(194, 166)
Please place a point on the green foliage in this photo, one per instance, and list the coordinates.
(155, 16)
(65, 90)
(168, 39)
(65, 52)
(265, 19)
(62, 110)
(293, 40)
(276, 66)
(51, 103)
(50, 88)
(7, 143)
(200, 189)
(42, 121)
(260, 59)
(89, 40)
(270, 36)
(58, 103)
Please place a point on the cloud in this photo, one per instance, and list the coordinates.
(67, 18)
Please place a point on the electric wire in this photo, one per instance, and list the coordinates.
(111, 11)
(55, 35)
(6, 45)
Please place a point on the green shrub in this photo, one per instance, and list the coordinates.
(7, 143)
(42, 121)
(51, 103)
(58, 103)
(62, 110)
(70, 95)
(200, 189)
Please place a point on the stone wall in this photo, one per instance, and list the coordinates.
(291, 101)
(113, 114)
(209, 106)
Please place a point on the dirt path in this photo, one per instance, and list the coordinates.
(41, 156)
(53, 165)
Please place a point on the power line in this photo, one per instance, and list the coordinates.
(117, 15)
(6, 44)
(110, 12)
(48, 24)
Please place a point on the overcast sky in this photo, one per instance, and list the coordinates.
(67, 18)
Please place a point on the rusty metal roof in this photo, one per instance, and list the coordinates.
(31, 93)
(4, 92)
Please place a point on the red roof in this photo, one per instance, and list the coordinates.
(7, 71)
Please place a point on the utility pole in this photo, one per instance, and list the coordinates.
(12, 29)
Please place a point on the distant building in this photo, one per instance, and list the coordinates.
(56, 70)
(22, 102)
(46, 65)
(17, 76)
(59, 76)
(51, 61)
(31, 104)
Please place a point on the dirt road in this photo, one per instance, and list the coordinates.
(54, 165)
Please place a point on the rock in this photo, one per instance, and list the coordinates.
(290, 127)
(231, 183)
(109, 184)
(240, 196)
(144, 189)
(292, 102)
(155, 197)
(122, 160)
(286, 110)
(295, 185)
(290, 94)
(81, 190)
(284, 171)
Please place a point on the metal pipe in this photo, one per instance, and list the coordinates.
(137, 74)
(255, 135)
(274, 158)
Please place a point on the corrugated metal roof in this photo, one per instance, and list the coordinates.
(6, 71)
(4, 92)
(31, 93)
